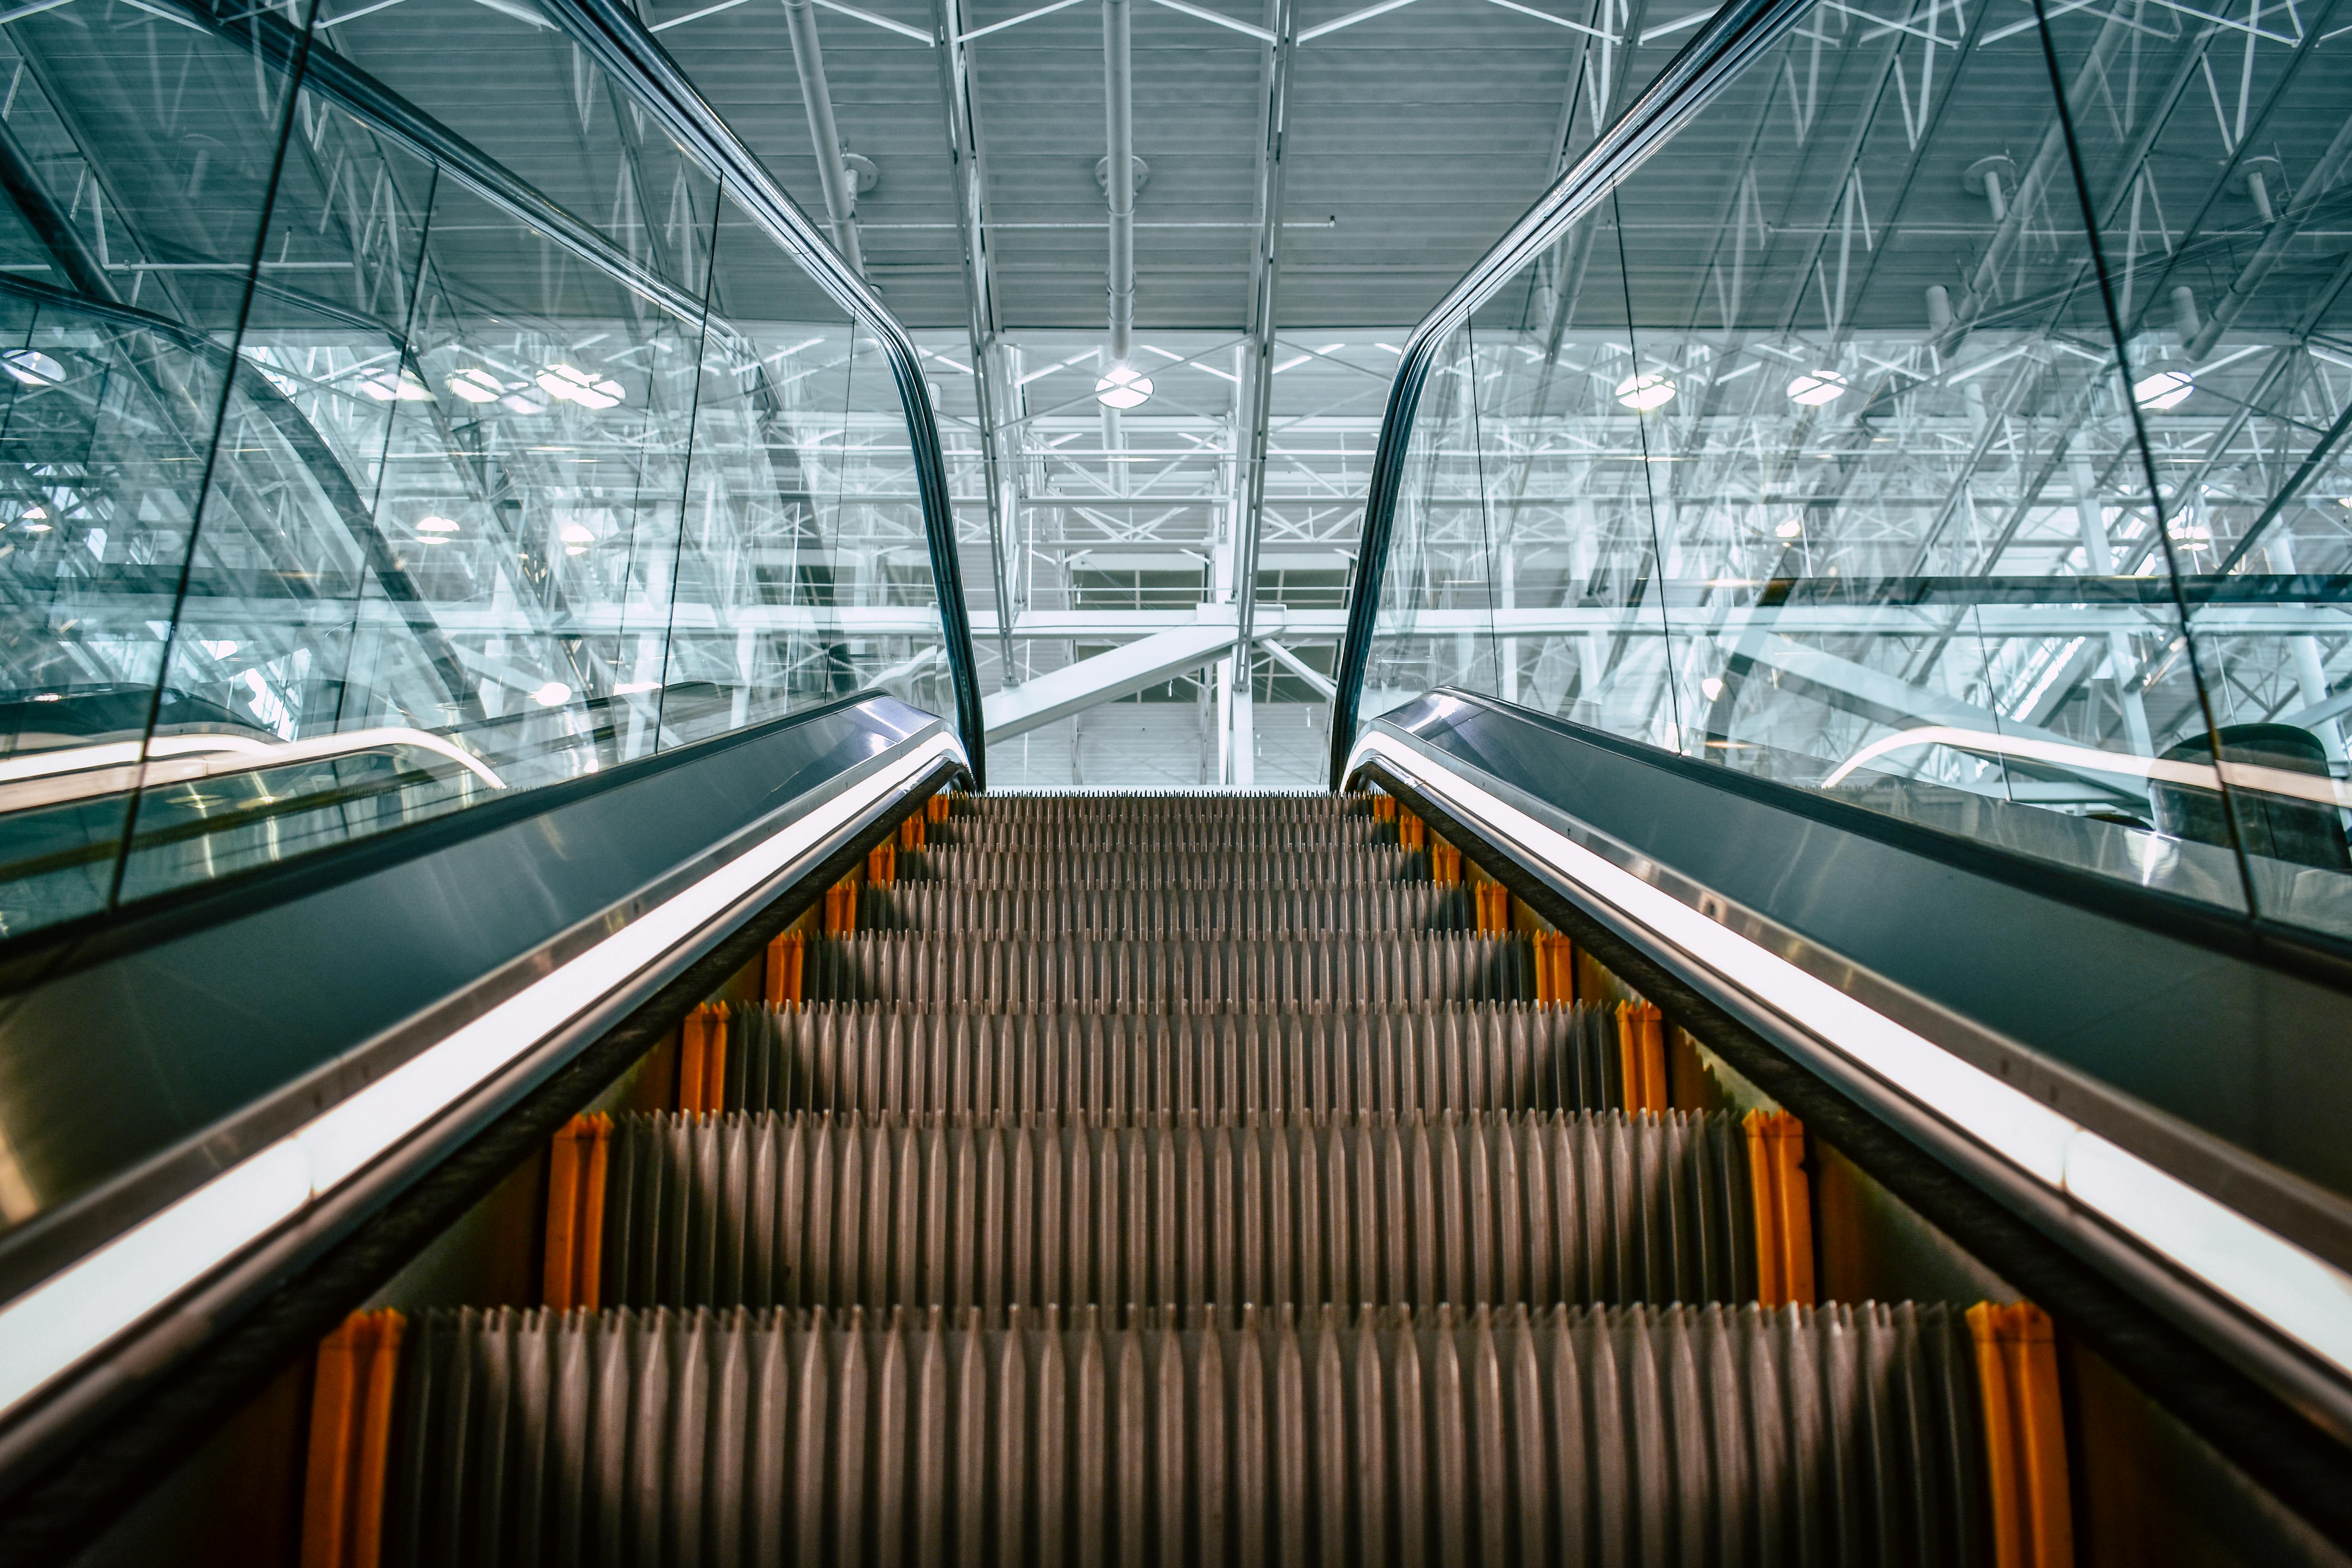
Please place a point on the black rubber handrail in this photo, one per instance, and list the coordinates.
(1727, 46)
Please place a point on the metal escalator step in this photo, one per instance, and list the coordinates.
(1047, 865)
(1044, 811)
(800, 1210)
(1295, 909)
(1191, 835)
(927, 969)
(1624, 1435)
(877, 1058)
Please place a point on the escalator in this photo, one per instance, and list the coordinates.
(1084, 1182)
(733, 1133)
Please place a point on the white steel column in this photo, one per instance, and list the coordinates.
(2099, 561)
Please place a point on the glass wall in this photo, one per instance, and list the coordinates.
(345, 483)
(1831, 448)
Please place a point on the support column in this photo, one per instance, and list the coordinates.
(1508, 648)
(2310, 671)
(2099, 558)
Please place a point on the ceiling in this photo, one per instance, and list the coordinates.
(1414, 138)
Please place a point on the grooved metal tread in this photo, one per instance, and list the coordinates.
(801, 1210)
(924, 969)
(1044, 866)
(882, 1056)
(1627, 1435)
(1245, 912)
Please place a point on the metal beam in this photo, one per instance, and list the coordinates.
(832, 170)
(1105, 677)
(1254, 404)
(981, 318)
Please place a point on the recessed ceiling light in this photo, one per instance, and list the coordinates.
(385, 386)
(476, 386)
(32, 367)
(2165, 389)
(1645, 393)
(1816, 387)
(580, 386)
(1123, 387)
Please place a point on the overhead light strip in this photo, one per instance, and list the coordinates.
(2302, 1296)
(62, 1321)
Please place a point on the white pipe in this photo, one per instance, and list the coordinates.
(1118, 177)
(832, 169)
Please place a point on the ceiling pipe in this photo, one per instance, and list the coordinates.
(2282, 228)
(1119, 184)
(832, 166)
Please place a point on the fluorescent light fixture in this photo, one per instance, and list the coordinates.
(476, 386)
(32, 367)
(386, 386)
(437, 525)
(554, 694)
(580, 386)
(2302, 1296)
(76, 1311)
(1645, 393)
(2165, 389)
(1816, 387)
(1123, 387)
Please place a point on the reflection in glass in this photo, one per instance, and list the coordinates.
(1810, 451)
(337, 493)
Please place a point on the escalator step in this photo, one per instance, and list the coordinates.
(1048, 864)
(878, 1056)
(762, 1210)
(1047, 810)
(1297, 909)
(926, 969)
(1192, 837)
(1622, 1436)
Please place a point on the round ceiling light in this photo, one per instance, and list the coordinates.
(2165, 389)
(1123, 388)
(1790, 528)
(1643, 393)
(554, 694)
(1816, 387)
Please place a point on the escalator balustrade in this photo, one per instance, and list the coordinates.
(1173, 1180)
